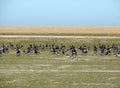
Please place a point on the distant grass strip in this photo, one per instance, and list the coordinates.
(61, 34)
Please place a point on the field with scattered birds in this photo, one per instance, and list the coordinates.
(57, 70)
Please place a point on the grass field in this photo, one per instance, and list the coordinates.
(68, 30)
(76, 41)
(50, 71)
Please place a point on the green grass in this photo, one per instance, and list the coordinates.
(50, 71)
(62, 34)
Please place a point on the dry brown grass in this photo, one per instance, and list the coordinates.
(58, 29)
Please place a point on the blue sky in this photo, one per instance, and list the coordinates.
(59, 12)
